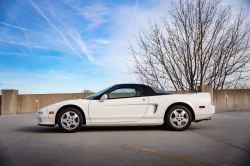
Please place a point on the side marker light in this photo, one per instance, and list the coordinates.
(51, 112)
(201, 106)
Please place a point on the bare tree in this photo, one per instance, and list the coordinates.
(197, 42)
(87, 91)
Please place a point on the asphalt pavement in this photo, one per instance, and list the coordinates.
(224, 140)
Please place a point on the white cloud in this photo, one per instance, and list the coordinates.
(42, 76)
(23, 51)
(13, 53)
(77, 38)
(19, 26)
(10, 39)
(15, 27)
(96, 14)
(51, 71)
(57, 74)
(24, 44)
(121, 30)
(136, 5)
(62, 77)
(66, 40)
(65, 76)
(51, 57)
(101, 41)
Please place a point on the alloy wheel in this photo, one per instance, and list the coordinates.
(179, 118)
(70, 120)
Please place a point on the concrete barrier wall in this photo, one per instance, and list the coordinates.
(228, 98)
(9, 101)
(231, 98)
(26, 103)
(0, 104)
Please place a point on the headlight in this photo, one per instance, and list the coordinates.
(42, 111)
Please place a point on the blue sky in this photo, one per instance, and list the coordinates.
(66, 46)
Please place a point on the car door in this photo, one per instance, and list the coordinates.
(124, 104)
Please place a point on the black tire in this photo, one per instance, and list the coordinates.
(181, 118)
(70, 117)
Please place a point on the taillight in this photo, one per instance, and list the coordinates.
(201, 106)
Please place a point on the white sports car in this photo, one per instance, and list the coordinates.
(129, 104)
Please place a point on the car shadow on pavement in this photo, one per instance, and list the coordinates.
(56, 129)
(121, 128)
(40, 129)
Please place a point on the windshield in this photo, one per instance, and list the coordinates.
(97, 94)
(157, 90)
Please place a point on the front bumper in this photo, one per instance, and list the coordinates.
(44, 118)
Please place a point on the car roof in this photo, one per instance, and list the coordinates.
(130, 84)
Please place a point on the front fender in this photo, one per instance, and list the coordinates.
(81, 103)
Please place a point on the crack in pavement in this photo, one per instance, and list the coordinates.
(172, 156)
(220, 114)
(143, 158)
(137, 153)
(220, 141)
(239, 116)
(19, 141)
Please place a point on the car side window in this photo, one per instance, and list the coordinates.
(124, 92)
(147, 91)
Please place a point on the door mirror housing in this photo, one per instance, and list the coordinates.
(103, 98)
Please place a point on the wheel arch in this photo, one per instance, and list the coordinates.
(183, 104)
(74, 106)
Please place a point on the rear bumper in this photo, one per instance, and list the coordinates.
(211, 111)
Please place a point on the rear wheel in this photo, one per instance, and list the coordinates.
(178, 118)
(70, 120)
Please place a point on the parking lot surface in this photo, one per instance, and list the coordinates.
(224, 140)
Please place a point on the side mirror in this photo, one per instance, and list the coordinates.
(103, 98)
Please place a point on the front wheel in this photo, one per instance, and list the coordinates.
(70, 120)
(178, 118)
